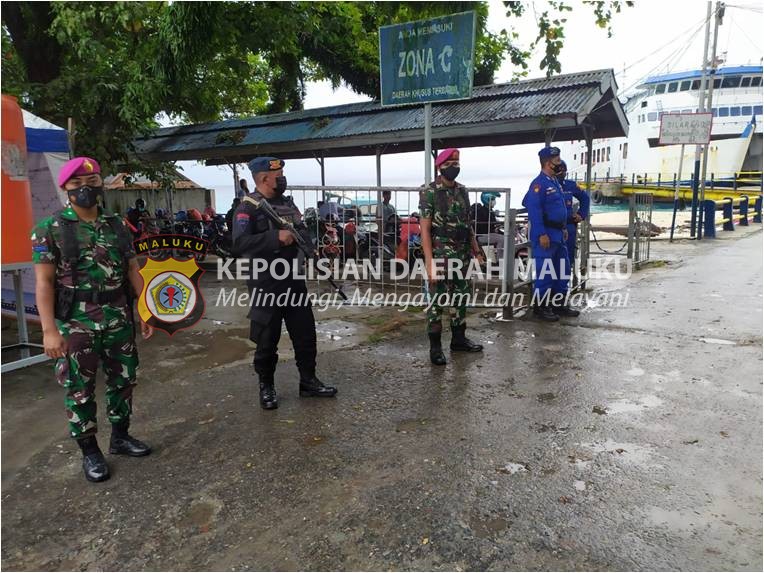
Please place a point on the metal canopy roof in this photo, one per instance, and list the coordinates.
(501, 114)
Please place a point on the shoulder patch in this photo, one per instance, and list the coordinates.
(536, 187)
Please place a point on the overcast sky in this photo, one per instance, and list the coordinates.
(654, 36)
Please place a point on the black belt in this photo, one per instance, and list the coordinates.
(100, 296)
(460, 233)
(553, 224)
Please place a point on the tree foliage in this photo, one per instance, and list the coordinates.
(115, 67)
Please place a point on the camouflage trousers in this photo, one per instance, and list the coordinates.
(115, 348)
(451, 294)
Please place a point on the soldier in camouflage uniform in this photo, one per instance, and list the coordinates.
(447, 234)
(86, 279)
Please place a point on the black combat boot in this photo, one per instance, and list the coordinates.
(311, 386)
(545, 313)
(565, 310)
(268, 398)
(460, 343)
(436, 350)
(93, 463)
(124, 444)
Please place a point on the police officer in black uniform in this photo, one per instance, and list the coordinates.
(256, 237)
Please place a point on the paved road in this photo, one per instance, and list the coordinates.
(630, 438)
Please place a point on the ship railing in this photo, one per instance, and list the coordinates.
(729, 217)
(727, 180)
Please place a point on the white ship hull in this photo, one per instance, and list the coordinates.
(639, 156)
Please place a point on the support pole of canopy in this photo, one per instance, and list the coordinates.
(379, 213)
(320, 159)
(588, 130)
(427, 143)
(235, 179)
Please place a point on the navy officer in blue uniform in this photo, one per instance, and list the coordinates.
(570, 191)
(548, 215)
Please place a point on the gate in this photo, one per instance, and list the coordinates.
(640, 227)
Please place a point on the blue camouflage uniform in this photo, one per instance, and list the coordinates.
(547, 215)
(569, 191)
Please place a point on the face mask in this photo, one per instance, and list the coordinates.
(450, 173)
(557, 168)
(85, 196)
(561, 176)
(281, 185)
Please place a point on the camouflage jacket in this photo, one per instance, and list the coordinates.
(102, 265)
(448, 208)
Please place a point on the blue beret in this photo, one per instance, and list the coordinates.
(548, 152)
(259, 164)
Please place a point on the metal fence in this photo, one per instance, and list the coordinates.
(369, 244)
(640, 227)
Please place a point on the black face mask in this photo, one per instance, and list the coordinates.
(281, 185)
(450, 173)
(85, 196)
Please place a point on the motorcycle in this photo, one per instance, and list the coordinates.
(218, 237)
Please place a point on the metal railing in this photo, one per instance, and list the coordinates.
(729, 218)
(365, 244)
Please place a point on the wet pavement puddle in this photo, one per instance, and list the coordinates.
(628, 406)
(629, 452)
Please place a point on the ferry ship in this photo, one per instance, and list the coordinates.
(735, 151)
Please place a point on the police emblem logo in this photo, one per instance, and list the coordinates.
(536, 188)
(171, 298)
(275, 164)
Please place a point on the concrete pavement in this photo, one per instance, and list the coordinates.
(630, 438)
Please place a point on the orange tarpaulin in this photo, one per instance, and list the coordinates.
(16, 206)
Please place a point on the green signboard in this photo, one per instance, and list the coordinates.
(427, 60)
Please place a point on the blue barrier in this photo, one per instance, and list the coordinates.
(729, 218)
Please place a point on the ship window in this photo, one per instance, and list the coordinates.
(696, 84)
(685, 86)
(625, 149)
(735, 111)
(644, 104)
(660, 88)
(672, 87)
(686, 111)
(756, 81)
(757, 110)
(731, 82)
(746, 110)
(715, 112)
(724, 112)
(608, 153)
(746, 82)
(652, 116)
(717, 83)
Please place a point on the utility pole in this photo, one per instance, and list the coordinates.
(701, 109)
(719, 13)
